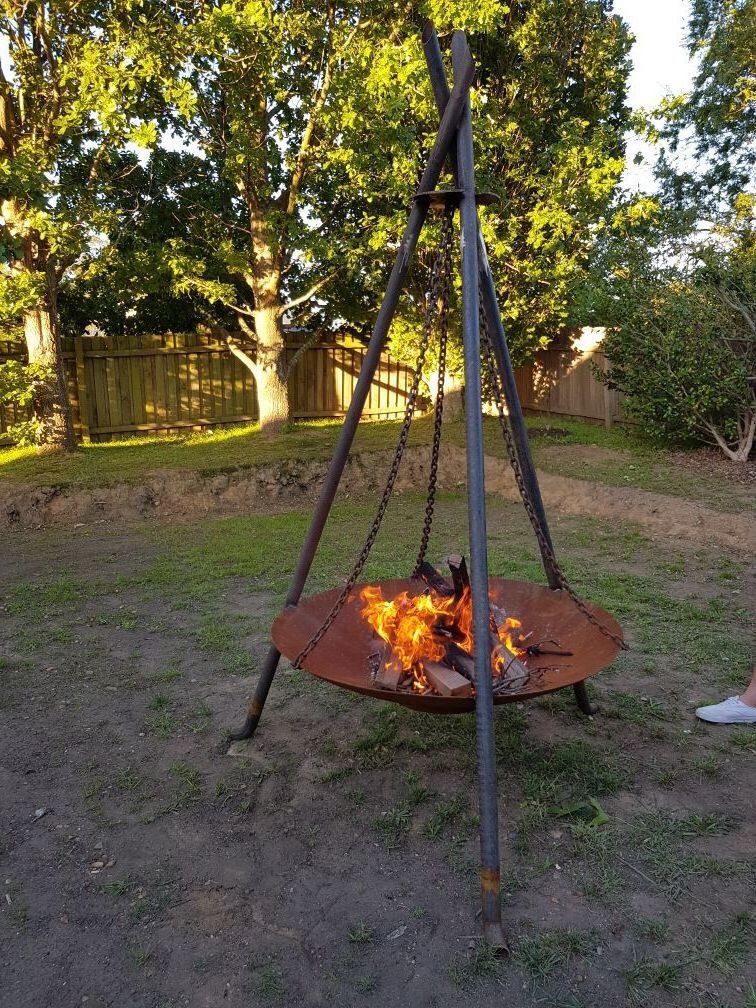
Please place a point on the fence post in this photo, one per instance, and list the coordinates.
(81, 389)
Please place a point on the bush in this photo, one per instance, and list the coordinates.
(19, 384)
(683, 354)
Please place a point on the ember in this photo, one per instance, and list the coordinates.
(428, 644)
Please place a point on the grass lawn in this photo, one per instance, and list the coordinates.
(333, 860)
(616, 457)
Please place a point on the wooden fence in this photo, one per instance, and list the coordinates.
(562, 383)
(138, 384)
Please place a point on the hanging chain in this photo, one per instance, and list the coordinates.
(437, 269)
(447, 233)
(547, 551)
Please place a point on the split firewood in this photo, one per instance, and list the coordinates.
(499, 616)
(460, 575)
(509, 665)
(389, 671)
(427, 573)
(446, 681)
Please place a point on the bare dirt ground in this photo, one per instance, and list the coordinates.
(332, 860)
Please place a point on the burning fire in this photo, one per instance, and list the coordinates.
(419, 628)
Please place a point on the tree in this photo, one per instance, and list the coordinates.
(311, 124)
(707, 138)
(83, 79)
(684, 347)
(676, 275)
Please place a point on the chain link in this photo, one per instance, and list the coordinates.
(438, 269)
(547, 552)
(447, 234)
(440, 286)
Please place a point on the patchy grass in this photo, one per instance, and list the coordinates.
(652, 974)
(660, 838)
(542, 954)
(727, 949)
(654, 929)
(224, 449)
(394, 823)
(294, 828)
(630, 461)
(361, 934)
(189, 785)
(482, 962)
(269, 983)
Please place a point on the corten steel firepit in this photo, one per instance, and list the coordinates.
(343, 656)
(329, 634)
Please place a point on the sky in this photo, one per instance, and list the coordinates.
(661, 65)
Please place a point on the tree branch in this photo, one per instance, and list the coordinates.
(237, 351)
(738, 307)
(307, 294)
(291, 193)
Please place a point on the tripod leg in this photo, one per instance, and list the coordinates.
(516, 417)
(490, 873)
(582, 700)
(444, 139)
(493, 316)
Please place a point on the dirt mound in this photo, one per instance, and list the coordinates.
(294, 483)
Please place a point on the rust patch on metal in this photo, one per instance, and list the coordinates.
(490, 880)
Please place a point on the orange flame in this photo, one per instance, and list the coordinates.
(410, 625)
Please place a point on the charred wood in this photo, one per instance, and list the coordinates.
(460, 576)
(428, 574)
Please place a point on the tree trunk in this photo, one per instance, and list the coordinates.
(452, 394)
(270, 371)
(51, 406)
(743, 444)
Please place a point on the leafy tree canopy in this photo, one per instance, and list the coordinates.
(309, 129)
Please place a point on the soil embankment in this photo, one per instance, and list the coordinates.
(189, 495)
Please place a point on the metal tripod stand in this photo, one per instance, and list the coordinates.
(454, 141)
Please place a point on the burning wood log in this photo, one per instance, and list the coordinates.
(434, 579)
(507, 665)
(389, 671)
(460, 576)
(446, 681)
(460, 660)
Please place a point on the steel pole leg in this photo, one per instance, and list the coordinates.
(445, 138)
(441, 93)
(490, 873)
(514, 407)
(582, 700)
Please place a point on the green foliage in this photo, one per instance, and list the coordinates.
(81, 85)
(675, 276)
(20, 291)
(294, 171)
(708, 153)
(685, 346)
(19, 384)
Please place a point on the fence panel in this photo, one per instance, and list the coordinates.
(175, 381)
(562, 382)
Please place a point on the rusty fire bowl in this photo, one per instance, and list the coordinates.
(343, 656)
